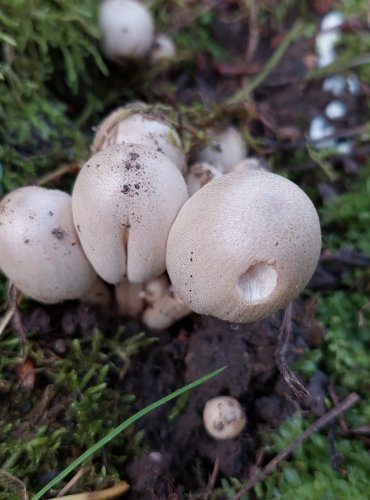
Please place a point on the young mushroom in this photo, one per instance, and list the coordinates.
(124, 201)
(163, 48)
(131, 124)
(164, 307)
(223, 417)
(199, 174)
(224, 150)
(243, 246)
(40, 251)
(127, 29)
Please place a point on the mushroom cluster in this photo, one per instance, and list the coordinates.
(242, 246)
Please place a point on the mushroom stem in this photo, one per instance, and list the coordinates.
(128, 298)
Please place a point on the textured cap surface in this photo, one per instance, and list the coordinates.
(243, 246)
(125, 200)
(39, 247)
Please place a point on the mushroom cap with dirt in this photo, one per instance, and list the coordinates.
(124, 201)
(127, 29)
(223, 417)
(224, 149)
(243, 246)
(39, 248)
(131, 125)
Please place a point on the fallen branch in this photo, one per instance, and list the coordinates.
(322, 422)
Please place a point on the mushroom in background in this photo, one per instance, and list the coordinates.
(130, 125)
(251, 165)
(40, 251)
(163, 48)
(127, 30)
(125, 200)
(224, 150)
(199, 174)
(243, 246)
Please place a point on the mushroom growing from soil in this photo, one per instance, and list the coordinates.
(164, 308)
(223, 417)
(243, 246)
(200, 174)
(125, 200)
(39, 248)
(224, 150)
(127, 29)
(131, 124)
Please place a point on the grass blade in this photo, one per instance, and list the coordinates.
(114, 432)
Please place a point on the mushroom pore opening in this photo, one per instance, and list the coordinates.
(257, 283)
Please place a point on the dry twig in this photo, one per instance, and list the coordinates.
(322, 422)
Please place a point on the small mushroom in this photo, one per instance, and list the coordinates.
(39, 248)
(251, 164)
(132, 125)
(127, 29)
(224, 150)
(124, 201)
(243, 246)
(164, 308)
(199, 174)
(223, 417)
(163, 48)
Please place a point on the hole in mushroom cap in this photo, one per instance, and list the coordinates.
(257, 283)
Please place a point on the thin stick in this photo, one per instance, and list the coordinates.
(290, 378)
(73, 481)
(336, 459)
(322, 422)
(59, 172)
(5, 319)
(243, 94)
(212, 479)
(253, 29)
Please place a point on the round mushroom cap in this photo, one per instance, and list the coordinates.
(224, 150)
(124, 201)
(223, 417)
(125, 126)
(163, 48)
(199, 174)
(127, 29)
(39, 247)
(243, 246)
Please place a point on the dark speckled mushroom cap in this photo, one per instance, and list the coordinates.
(125, 200)
(243, 246)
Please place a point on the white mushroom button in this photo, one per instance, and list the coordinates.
(243, 246)
(39, 248)
(199, 174)
(127, 29)
(163, 48)
(223, 417)
(224, 149)
(165, 311)
(125, 201)
(125, 125)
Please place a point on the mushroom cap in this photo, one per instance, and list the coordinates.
(243, 246)
(224, 150)
(127, 29)
(223, 417)
(39, 247)
(124, 201)
(163, 48)
(127, 126)
(199, 174)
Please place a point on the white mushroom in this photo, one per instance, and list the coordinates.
(223, 417)
(165, 311)
(163, 48)
(199, 174)
(224, 150)
(148, 129)
(155, 289)
(124, 201)
(249, 165)
(39, 248)
(127, 29)
(243, 246)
